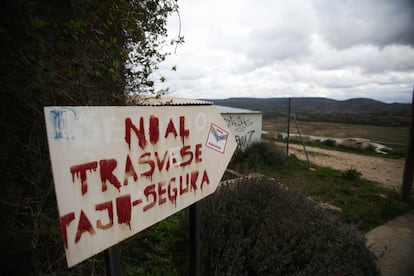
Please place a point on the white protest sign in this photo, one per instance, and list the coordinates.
(119, 170)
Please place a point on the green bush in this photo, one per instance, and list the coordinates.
(257, 227)
(329, 142)
(161, 249)
(352, 174)
(257, 157)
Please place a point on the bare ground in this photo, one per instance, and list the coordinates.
(387, 172)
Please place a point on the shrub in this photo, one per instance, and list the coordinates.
(256, 227)
(257, 157)
(352, 174)
(329, 142)
(161, 249)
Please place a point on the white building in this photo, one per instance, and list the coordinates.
(245, 124)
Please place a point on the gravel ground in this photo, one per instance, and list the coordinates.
(388, 172)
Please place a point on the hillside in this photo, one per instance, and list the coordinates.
(356, 111)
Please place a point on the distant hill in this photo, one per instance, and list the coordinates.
(359, 110)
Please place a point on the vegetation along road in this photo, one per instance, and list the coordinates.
(387, 172)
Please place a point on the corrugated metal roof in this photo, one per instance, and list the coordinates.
(153, 101)
(232, 110)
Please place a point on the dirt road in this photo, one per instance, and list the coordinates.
(388, 172)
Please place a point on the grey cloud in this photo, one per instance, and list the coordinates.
(369, 58)
(355, 22)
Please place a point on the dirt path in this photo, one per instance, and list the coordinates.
(388, 172)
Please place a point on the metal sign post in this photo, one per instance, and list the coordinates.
(113, 261)
(195, 240)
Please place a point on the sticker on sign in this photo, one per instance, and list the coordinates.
(119, 170)
(217, 138)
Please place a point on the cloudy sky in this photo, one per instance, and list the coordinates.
(276, 48)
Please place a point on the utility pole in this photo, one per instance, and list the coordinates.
(288, 128)
(301, 140)
(409, 161)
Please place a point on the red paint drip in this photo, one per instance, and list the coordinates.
(205, 179)
(83, 226)
(107, 167)
(129, 171)
(140, 133)
(193, 184)
(150, 191)
(160, 163)
(161, 192)
(145, 159)
(183, 186)
(105, 206)
(172, 193)
(170, 129)
(64, 223)
(123, 209)
(198, 153)
(80, 172)
(185, 151)
(184, 133)
(154, 130)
